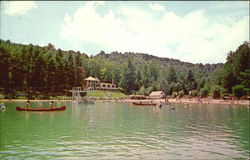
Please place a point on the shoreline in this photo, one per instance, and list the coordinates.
(171, 100)
(194, 101)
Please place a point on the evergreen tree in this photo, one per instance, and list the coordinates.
(128, 78)
(171, 77)
(191, 84)
(236, 68)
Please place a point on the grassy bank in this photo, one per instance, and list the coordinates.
(105, 94)
(93, 94)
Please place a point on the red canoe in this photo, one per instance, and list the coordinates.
(41, 109)
(144, 104)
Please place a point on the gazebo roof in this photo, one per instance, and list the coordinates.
(91, 79)
(97, 79)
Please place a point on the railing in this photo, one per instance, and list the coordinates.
(108, 88)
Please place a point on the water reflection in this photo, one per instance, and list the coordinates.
(122, 131)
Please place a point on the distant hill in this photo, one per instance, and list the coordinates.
(113, 56)
(141, 58)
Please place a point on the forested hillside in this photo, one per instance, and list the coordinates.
(144, 73)
(48, 71)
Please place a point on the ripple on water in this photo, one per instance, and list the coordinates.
(109, 132)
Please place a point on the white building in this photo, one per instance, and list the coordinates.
(157, 94)
(91, 83)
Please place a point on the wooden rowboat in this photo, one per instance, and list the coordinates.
(41, 109)
(144, 104)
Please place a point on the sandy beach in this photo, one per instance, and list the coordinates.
(193, 101)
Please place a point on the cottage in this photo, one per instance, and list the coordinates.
(157, 94)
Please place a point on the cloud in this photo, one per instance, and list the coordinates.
(19, 7)
(67, 19)
(156, 7)
(233, 4)
(192, 37)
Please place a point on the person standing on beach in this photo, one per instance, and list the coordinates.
(51, 104)
(166, 100)
(27, 104)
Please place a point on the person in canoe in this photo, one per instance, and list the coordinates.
(27, 104)
(51, 105)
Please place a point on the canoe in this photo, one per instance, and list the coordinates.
(144, 104)
(41, 109)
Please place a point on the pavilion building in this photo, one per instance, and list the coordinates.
(92, 83)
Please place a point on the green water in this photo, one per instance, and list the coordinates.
(125, 131)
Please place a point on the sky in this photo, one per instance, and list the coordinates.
(191, 31)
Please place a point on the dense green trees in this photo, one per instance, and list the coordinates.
(37, 70)
(235, 75)
(171, 75)
(128, 78)
(47, 71)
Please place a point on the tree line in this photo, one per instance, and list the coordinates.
(36, 70)
(46, 71)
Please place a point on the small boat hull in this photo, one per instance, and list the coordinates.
(144, 104)
(41, 109)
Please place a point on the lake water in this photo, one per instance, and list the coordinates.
(124, 131)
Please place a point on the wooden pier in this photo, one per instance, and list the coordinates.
(76, 93)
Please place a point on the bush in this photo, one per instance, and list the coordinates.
(193, 93)
(142, 91)
(1, 96)
(181, 94)
(238, 90)
(204, 91)
(246, 91)
(83, 94)
(149, 90)
(30, 96)
(145, 91)
(22, 97)
(10, 95)
(121, 90)
(63, 98)
(218, 91)
(174, 95)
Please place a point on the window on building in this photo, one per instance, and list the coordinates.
(108, 85)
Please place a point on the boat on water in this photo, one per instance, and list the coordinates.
(144, 104)
(41, 109)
